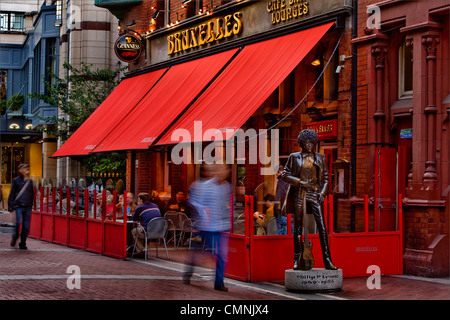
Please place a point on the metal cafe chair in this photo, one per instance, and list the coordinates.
(187, 226)
(156, 230)
(173, 225)
(271, 228)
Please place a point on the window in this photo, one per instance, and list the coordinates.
(168, 170)
(405, 72)
(51, 63)
(12, 21)
(36, 80)
(11, 158)
(3, 81)
(58, 18)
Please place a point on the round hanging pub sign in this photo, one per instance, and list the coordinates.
(128, 48)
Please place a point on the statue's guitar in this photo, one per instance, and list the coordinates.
(306, 259)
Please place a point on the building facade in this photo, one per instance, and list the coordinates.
(86, 35)
(315, 94)
(27, 36)
(36, 39)
(374, 85)
(403, 103)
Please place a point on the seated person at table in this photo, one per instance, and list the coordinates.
(178, 203)
(145, 211)
(263, 219)
(131, 206)
(157, 200)
(98, 205)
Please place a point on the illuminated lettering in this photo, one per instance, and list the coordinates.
(208, 32)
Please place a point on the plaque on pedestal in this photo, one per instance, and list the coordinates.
(314, 280)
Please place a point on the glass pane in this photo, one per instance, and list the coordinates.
(3, 80)
(4, 21)
(407, 71)
(18, 158)
(6, 165)
(17, 22)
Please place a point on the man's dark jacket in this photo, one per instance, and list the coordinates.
(291, 175)
(26, 199)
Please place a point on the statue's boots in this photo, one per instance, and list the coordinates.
(297, 256)
(326, 252)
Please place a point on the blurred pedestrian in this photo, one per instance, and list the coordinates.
(20, 201)
(210, 197)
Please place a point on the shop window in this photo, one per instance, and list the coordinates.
(11, 158)
(405, 71)
(12, 21)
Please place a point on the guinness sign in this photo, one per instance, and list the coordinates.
(128, 48)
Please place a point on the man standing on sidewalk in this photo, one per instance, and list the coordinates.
(21, 201)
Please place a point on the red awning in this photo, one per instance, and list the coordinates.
(162, 105)
(109, 114)
(245, 84)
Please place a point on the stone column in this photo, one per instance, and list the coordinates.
(430, 42)
(48, 164)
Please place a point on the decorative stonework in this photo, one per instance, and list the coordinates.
(431, 43)
(379, 53)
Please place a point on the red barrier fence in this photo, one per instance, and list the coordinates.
(60, 220)
(79, 224)
(265, 258)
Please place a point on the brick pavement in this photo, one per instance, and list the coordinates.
(41, 273)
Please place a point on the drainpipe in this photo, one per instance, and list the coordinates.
(354, 109)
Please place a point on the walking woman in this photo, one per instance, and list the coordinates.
(21, 201)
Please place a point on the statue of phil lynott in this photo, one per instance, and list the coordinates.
(307, 174)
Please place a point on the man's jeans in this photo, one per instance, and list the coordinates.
(23, 216)
(220, 243)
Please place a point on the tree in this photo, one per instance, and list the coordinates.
(77, 96)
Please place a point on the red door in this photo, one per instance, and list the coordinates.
(385, 189)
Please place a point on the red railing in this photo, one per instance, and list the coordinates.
(265, 258)
(66, 224)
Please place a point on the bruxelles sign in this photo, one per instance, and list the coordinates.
(128, 48)
(208, 32)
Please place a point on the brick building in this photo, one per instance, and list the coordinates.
(327, 103)
(402, 100)
(377, 94)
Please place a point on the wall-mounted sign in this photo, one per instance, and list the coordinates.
(285, 10)
(406, 133)
(237, 22)
(211, 31)
(128, 48)
(326, 130)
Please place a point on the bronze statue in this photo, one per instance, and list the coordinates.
(307, 174)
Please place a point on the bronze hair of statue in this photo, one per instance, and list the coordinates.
(307, 174)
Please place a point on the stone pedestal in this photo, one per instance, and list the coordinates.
(314, 280)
